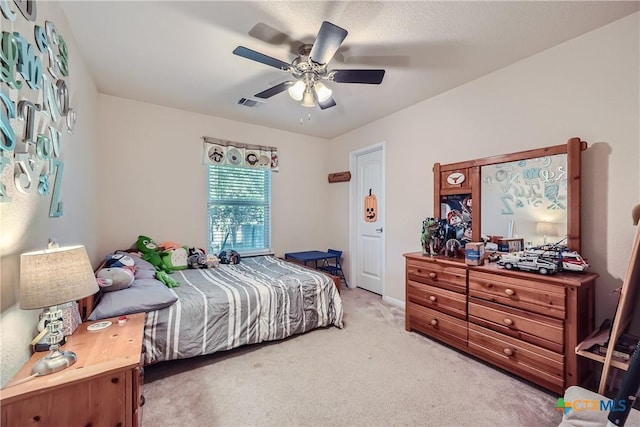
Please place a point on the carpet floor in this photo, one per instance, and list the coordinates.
(371, 373)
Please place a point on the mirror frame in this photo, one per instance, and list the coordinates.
(472, 184)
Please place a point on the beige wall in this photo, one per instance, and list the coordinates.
(587, 87)
(25, 223)
(153, 181)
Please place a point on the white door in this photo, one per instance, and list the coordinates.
(367, 218)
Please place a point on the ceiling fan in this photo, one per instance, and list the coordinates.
(309, 69)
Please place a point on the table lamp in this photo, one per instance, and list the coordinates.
(48, 278)
(545, 229)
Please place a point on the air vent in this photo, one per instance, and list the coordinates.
(250, 103)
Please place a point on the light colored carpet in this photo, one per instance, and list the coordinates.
(371, 373)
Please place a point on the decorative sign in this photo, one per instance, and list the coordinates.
(34, 106)
(370, 208)
(340, 176)
(456, 178)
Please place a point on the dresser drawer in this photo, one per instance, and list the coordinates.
(532, 362)
(442, 276)
(534, 328)
(443, 300)
(438, 325)
(539, 297)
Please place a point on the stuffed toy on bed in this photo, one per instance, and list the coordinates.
(197, 258)
(229, 256)
(114, 278)
(151, 253)
(176, 258)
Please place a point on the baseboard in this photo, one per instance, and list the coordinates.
(394, 301)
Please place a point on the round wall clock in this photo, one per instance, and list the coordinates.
(456, 178)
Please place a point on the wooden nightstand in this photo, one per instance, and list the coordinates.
(102, 388)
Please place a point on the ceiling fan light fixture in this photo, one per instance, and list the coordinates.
(297, 90)
(307, 99)
(322, 91)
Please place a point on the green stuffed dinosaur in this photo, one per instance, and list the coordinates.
(150, 253)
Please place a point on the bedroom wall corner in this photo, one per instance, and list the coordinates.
(25, 223)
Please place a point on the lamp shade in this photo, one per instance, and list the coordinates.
(55, 276)
(322, 91)
(307, 99)
(297, 90)
(546, 229)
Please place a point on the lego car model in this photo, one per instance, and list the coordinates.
(527, 261)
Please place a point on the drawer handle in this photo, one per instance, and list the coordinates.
(509, 291)
(508, 352)
(433, 275)
(434, 322)
(432, 298)
(508, 321)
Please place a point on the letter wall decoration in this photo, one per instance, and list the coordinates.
(34, 104)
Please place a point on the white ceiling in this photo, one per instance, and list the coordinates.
(178, 53)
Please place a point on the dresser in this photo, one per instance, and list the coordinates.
(103, 387)
(526, 323)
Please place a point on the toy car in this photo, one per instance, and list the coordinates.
(528, 261)
(566, 259)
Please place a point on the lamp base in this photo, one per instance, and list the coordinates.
(55, 361)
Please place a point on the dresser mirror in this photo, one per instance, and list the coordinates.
(533, 195)
(525, 199)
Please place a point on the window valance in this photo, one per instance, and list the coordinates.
(229, 153)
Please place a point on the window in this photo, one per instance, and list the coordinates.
(239, 206)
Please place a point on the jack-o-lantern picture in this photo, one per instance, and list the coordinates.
(370, 208)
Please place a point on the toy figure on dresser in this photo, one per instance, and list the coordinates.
(452, 248)
(431, 238)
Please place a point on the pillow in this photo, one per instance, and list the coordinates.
(142, 296)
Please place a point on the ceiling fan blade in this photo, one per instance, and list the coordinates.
(260, 57)
(329, 39)
(274, 90)
(373, 77)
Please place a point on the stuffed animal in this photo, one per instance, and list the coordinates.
(175, 258)
(197, 258)
(229, 256)
(212, 261)
(114, 278)
(119, 260)
(150, 253)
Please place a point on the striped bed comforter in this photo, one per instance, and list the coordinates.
(261, 299)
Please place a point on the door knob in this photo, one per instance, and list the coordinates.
(379, 230)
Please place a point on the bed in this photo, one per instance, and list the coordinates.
(260, 299)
